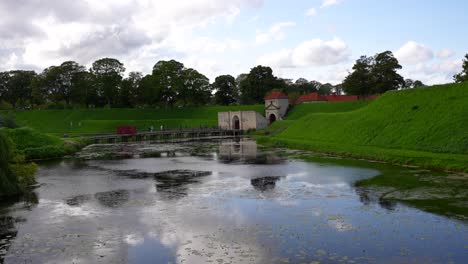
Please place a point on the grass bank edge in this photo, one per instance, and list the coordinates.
(428, 160)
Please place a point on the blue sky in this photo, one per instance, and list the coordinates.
(315, 39)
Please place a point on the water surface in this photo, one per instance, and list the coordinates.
(223, 202)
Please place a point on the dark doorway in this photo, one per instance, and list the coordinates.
(236, 123)
(272, 118)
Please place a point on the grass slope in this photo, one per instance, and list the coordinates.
(33, 145)
(94, 121)
(304, 109)
(425, 127)
(432, 119)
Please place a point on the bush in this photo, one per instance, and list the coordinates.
(8, 181)
(5, 106)
(44, 152)
(8, 122)
(25, 173)
(25, 138)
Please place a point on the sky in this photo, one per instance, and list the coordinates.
(313, 39)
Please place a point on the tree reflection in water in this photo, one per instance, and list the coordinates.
(265, 183)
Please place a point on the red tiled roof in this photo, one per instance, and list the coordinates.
(276, 95)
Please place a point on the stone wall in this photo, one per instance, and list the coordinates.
(247, 120)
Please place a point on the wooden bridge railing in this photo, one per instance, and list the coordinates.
(166, 135)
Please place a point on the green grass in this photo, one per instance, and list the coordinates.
(95, 121)
(33, 145)
(299, 111)
(431, 119)
(426, 127)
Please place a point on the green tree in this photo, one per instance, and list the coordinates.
(360, 82)
(325, 89)
(302, 86)
(258, 82)
(15, 86)
(226, 90)
(8, 181)
(84, 89)
(463, 75)
(108, 76)
(384, 73)
(130, 93)
(409, 84)
(168, 79)
(376, 74)
(68, 76)
(418, 83)
(150, 91)
(196, 89)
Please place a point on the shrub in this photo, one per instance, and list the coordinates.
(44, 152)
(8, 122)
(8, 182)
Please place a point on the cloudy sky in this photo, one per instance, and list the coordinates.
(315, 39)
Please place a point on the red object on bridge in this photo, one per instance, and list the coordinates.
(126, 130)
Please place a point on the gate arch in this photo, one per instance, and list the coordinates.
(236, 123)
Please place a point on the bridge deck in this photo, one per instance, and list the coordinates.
(165, 135)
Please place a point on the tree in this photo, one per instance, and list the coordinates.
(196, 89)
(463, 75)
(15, 86)
(409, 84)
(150, 91)
(376, 74)
(130, 93)
(67, 75)
(168, 79)
(302, 86)
(84, 89)
(226, 90)
(108, 73)
(258, 82)
(418, 83)
(384, 73)
(360, 82)
(325, 89)
(51, 83)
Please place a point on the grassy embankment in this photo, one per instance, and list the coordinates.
(18, 148)
(426, 127)
(96, 121)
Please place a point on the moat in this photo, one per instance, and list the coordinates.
(217, 202)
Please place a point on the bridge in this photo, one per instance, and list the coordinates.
(180, 135)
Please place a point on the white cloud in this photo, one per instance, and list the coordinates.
(315, 52)
(434, 73)
(137, 32)
(327, 3)
(281, 58)
(311, 12)
(445, 53)
(413, 52)
(275, 32)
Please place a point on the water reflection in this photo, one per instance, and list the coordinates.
(113, 199)
(245, 151)
(174, 183)
(265, 183)
(369, 195)
(9, 223)
(227, 207)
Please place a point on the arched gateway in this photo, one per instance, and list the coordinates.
(272, 118)
(276, 107)
(235, 123)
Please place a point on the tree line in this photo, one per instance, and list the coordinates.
(172, 84)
